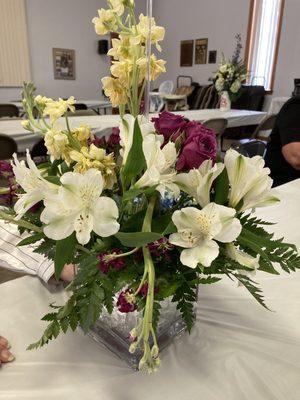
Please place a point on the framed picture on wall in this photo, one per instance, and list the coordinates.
(212, 57)
(186, 53)
(64, 63)
(201, 51)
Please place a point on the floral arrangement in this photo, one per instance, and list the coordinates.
(146, 215)
(232, 73)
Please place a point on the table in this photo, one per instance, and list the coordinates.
(235, 118)
(276, 104)
(237, 350)
(95, 105)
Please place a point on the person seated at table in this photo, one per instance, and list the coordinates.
(283, 150)
(24, 260)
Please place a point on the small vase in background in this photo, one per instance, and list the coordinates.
(225, 102)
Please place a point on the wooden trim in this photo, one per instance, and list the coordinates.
(278, 36)
(249, 33)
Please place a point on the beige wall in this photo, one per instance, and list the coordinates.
(65, 24)
(217, 20)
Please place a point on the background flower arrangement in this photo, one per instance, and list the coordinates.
(147, 214)
(232, 73)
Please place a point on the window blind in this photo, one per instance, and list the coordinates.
(14, 50)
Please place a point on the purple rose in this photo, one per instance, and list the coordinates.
(168, 125)
(200, 145)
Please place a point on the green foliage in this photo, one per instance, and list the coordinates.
(135, 162)
(47, 248)
(31, 239)
(222, 188)
(64, 253)
(137, 239)
(255, 240)
(53, 179)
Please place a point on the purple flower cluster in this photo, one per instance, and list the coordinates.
(198, 143)
(105, 263)
(7, 174)
(126, 302)
(161, 248)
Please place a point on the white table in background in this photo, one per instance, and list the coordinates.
(95, 105)
(235, 118)
(237, 350)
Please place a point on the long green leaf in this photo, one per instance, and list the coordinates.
(31, 239)
(222, 188)
(135, 162)
(64, 253)
(137, 239)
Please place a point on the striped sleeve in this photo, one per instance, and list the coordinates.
(22, 259)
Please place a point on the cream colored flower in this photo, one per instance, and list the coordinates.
(157, 32)
(106, 22)
(198, 231)
(118, 6)
(235, 87)
(114, 90)
(198, 182)
(249, 181)
(82, 132)
(94, 157)
(41, 100)
(26, 124)
(157, 67)
(56, 142)
(56, 109)
(122, 70)
(121, 48)
(244, 259)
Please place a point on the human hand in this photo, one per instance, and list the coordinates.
(68, 273)
(5, 355)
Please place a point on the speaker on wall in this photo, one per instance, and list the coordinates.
(102, 47)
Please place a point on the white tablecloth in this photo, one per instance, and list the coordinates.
(101, 122)
(237, 350)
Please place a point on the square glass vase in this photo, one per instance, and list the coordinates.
(112, 331)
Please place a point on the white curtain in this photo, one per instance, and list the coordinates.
(263, 41)
(14, 51)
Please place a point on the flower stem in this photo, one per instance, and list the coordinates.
(115, 256)
(20, 222)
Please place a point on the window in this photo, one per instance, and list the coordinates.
(14, 53)
(265, 20)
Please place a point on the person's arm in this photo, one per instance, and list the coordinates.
(23, 258)
(291, 152)
(289, 130)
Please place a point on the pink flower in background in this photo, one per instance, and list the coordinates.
(200, 145)
(6, 172)
(117, 263)
(126, 302)
(114, 139)
(169, 125)
(99, 141)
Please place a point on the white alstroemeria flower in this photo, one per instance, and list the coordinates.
(79, 207)
(127, 132)
(244, 259)
(197, 182)
(31, 181)
(249, 181)
(198, 231)
(160, 165)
